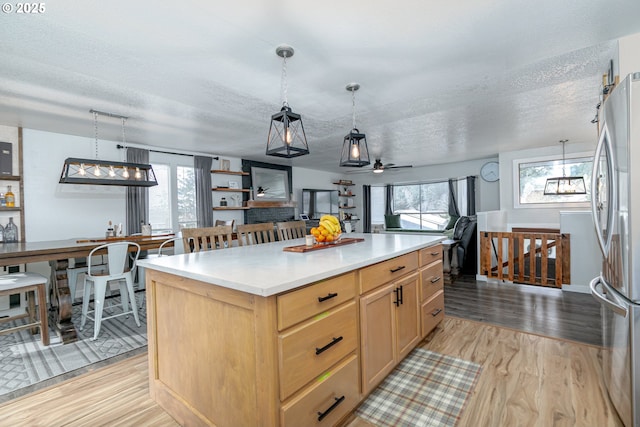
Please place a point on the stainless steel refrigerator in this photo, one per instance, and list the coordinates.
(615, 204)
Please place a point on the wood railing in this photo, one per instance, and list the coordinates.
(508, 256)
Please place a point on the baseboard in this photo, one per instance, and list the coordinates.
(584, 289)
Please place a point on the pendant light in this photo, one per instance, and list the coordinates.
(354, 148)
(564, 185)
(286, 133)
(106, 172)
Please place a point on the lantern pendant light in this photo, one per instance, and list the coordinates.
(286, 133)
(564, 185)
(354, 148)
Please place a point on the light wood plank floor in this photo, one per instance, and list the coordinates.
(526, 380)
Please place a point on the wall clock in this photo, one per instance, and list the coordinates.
(490, 171)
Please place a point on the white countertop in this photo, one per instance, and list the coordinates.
(267, 270)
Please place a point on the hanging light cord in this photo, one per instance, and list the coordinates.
(283, 81)
(95, 125)
(353, 103)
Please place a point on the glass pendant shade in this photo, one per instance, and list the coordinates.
(286, 135)
(565, 185)
(355, 152)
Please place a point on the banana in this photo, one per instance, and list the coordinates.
(330, 218)
(328, 225)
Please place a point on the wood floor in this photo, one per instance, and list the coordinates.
(527, 379)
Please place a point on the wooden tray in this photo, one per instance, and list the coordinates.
(318, 246)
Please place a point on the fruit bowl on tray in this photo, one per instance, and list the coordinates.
(328, 230)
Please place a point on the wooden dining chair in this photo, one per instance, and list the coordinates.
(291, 230)
(255, 234)
(207, 238)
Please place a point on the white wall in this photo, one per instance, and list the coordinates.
(545, 217)
(628, 57)
(56, 211)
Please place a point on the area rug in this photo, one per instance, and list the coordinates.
(25, 361)
(425, 389)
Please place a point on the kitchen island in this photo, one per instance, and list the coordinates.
(255, 336)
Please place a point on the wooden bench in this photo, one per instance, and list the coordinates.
(30, 283)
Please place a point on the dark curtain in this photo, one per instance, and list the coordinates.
(204, 202)
(137, 203)
(453, 203)
(471, 195)
(388, 200)
(366, 209)
(312, 204)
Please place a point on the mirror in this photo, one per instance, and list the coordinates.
(316, 203)
(270, 184)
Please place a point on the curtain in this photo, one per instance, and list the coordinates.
(471, 195)
(453, 203)
(137, 203)
(388, 200)
(366, 209)
(204, 202)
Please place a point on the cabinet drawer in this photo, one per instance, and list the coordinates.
(378, 274)
(432, 313)
(430, 254)
(311, 348)
(327, 400)
(430, 280)
(296, 306)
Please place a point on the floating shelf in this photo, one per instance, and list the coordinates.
(231, 190)
(9, 178)
(230, 208)
(346, 195)
(230, 172)
(344, 184)
(347, 207)
(270, 204)
(14, 209)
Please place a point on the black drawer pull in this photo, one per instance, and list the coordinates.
(329, 296)
(338, 401)
(435, 279)
(393, 270)
(326, 347)
(435, 312)
(435, 253)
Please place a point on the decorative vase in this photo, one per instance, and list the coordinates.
(10, 232)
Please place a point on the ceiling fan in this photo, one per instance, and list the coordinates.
(379, 167)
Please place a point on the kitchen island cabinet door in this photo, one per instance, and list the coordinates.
(378, 324)
(407, 315)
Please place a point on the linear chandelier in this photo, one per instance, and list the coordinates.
(354, 148)
(564, 185)
(107, 172)
(286, 133)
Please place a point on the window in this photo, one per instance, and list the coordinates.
(422, 206)
(172, 203)
(531, 177)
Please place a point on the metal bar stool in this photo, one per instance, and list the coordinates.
(30, 283)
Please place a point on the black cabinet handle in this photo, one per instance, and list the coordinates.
(326, 347)
(435, 279)
(393, 270)
(435, 312)
(338, 401)
(397, 301)
(435, 253)
(401, 295)
(329, 296)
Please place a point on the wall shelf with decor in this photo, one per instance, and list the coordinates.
(12, 161)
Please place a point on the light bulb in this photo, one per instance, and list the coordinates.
(288, 135)
(378, 170)
(81, 171)
(138, 174)
(125, 174)
(355, 151)
(96, 170)
(112, 173)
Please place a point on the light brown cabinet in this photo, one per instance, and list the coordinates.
(431, 288)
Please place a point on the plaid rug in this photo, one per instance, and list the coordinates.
(425, 389)
(25, 361)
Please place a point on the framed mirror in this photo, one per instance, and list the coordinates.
(270, 184)
(316, 203)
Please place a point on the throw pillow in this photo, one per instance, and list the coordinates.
(392, 221)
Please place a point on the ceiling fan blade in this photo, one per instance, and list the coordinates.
(398, 167)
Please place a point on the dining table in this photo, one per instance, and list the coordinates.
(58, 253)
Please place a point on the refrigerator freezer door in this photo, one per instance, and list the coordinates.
(603, 196)
(620, 326)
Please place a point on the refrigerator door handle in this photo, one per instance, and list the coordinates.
(595, 194)
(602, 299)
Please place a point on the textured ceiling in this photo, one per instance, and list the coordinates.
(440, 81)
